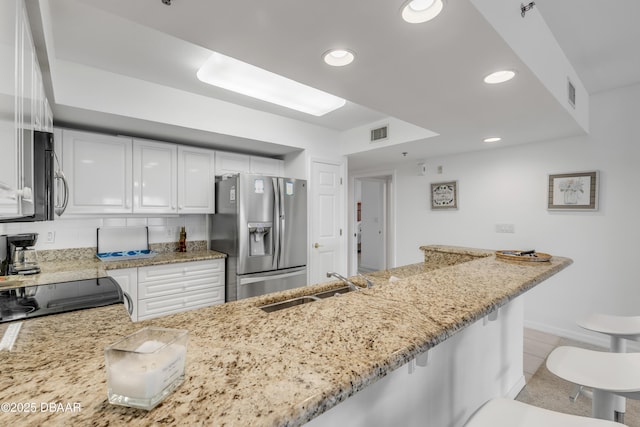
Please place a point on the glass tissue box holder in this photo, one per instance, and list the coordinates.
(145, 367)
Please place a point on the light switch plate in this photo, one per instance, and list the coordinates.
(505, 228)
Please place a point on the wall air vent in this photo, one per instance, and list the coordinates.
(379, 133)
(571, 93)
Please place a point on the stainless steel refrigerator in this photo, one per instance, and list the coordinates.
(261, 224)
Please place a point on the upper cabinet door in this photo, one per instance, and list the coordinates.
(98, 168)
(11, 161)
(196, 180)
(154, 177)
(227, 163)
(22, 99)
(267, 166)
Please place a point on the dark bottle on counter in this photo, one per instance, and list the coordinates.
(182, 243)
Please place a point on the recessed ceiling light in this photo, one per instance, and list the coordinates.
(237, 76)
(499, 76)
(493, 139)
(338, 57)
(418, 11)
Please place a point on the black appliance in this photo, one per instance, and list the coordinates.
(45, 177)
(17, 255)
(40, 300)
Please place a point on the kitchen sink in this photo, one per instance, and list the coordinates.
(333, 292)
(293, 302)
(289, 303)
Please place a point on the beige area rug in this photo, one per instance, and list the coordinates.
(546, 390)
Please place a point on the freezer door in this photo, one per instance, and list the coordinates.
(256, 231)
(292, 199)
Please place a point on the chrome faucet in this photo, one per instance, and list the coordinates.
(345, 280)
(366, 280)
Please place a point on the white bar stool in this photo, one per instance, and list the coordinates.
(620, 329)
(608, 374)
(510, 413)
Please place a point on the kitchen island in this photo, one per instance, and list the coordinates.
(247, 367)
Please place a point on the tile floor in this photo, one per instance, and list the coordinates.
(537, 346)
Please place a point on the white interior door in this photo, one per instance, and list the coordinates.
(326, 239)
(372, 226)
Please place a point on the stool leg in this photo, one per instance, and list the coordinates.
(603, 405)
(619, 345)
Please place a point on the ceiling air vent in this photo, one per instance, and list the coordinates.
(379, 133)
(572, 94)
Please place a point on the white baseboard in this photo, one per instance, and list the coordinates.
(517, 388)
(599, 340)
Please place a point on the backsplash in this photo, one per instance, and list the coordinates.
(70, 254)
(81, 232)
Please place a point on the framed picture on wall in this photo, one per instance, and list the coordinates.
(444, 195)
(573, 191)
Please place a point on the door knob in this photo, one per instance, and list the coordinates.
(316, 245)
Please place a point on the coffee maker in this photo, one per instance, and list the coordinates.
(17, 255)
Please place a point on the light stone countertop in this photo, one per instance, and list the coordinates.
(246, 367)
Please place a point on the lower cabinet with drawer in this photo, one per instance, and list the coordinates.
(172, 288)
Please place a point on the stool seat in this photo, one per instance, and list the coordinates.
(627, 327)
(614, 372)
(510, 413)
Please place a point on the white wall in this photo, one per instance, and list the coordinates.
(509, 185)
(80, 232)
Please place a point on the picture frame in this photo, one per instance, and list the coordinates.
(576, 191)
(444, 195)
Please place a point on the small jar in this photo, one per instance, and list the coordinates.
(182, 243)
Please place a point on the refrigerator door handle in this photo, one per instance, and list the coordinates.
(277, 209)
(260, 278)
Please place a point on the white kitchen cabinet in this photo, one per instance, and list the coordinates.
(267, 166)
(127, 278)
(196, 180)
(11, 149)
(227, 163)
(21, 103)
(165, 289)
(155, 175)
(179, 287)
(99, 171)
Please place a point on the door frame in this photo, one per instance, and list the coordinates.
(382, 185)
(389, 176)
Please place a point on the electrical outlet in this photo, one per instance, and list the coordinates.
(51, 237)
(505, 228)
